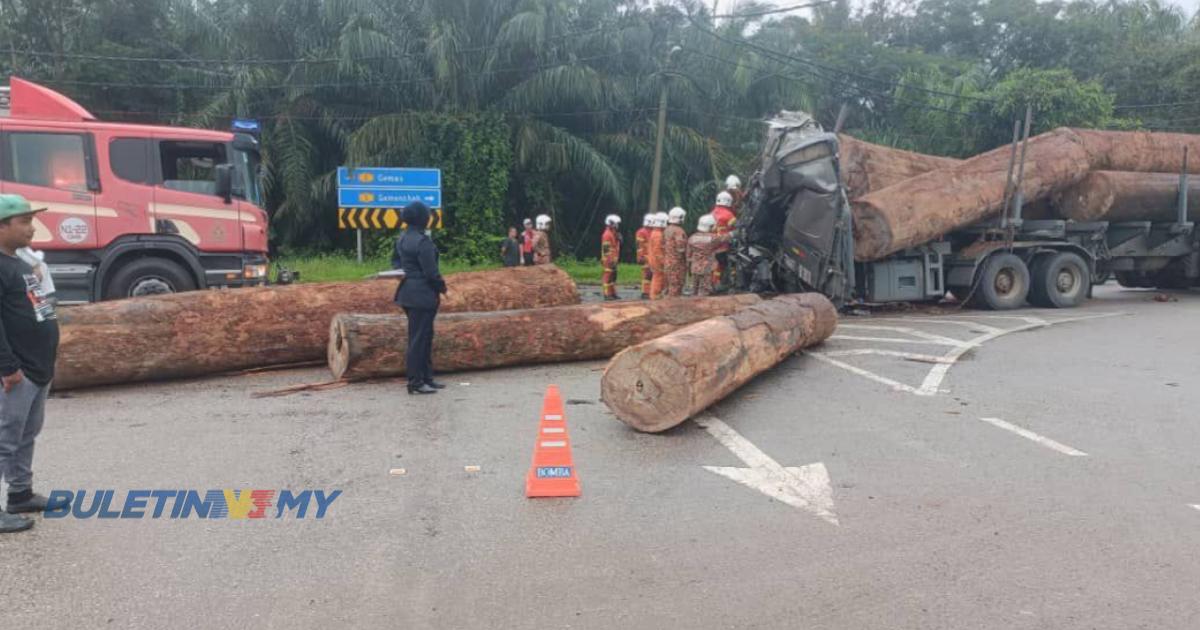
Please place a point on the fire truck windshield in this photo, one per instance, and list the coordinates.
(247, 182)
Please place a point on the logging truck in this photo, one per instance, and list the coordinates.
(132, 209)
(796, 234)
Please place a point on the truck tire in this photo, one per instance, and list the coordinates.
(1003, 283)
(1059, 280)
(148, 276)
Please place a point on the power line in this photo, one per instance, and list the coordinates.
(267, 62)
(862, 90)
(1155, 105)
(407, 114)
(755, 14)
(336, 84)
(808, 62)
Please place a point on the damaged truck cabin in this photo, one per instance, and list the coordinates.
(133, 209)
(960, 228)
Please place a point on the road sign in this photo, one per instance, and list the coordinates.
(378, 219)
(369, 197)
(406, 178)
(376, 197)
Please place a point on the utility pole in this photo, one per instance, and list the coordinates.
(661, 133)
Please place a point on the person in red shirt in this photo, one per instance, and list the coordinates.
(527, 243)
(723, 214)
(610, 255)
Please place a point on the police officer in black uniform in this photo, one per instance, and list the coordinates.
(419, 296)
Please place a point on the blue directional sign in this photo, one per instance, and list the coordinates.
(387, 197)
(423, 178)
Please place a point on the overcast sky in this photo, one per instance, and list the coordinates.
(1189, 6)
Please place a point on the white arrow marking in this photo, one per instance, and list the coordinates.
(804, 487)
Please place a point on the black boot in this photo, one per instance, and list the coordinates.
(421, 388)
(26, 501)
(434, 384)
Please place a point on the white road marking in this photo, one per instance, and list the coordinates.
(1040, 439)
(893, 340)
(925, 358)
(908, 331)
(894, 384)
(933, 379)
(804, 487)
(1195, 506)
(952, 322)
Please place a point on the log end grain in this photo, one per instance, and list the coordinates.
(338, 350)
(649, 392)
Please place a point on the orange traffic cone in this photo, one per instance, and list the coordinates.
(553, 471)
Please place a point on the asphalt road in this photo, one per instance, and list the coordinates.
(1070, 507)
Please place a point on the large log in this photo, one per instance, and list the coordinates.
(1124, 196)
(867, 166)
(659, 384)
(926, 207)
(368, 346)
(207, 332)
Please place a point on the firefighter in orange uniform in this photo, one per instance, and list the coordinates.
(610, 255)
(656, 256)
(675, 241)
(643, 248)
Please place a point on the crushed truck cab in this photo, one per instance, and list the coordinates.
(133, 209)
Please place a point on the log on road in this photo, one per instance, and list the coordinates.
(370, 346)
(208, 332)
(1125, 196)
(659, 384)
(924, 208)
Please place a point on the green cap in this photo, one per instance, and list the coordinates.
(15, 206)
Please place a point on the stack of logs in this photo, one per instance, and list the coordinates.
(903, 199)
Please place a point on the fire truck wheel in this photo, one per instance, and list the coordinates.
(148, 276)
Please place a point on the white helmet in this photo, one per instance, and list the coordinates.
(707, 223)
(676, 215)
(528, 223)
(725, 199)
(543, 222)
(648, 220)
(660, 220)
(612, 220)
(733, 182)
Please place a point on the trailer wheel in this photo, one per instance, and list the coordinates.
(148, 276)
(1059, 280)
(1003, 283)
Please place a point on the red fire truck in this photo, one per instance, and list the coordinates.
(132, 209)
